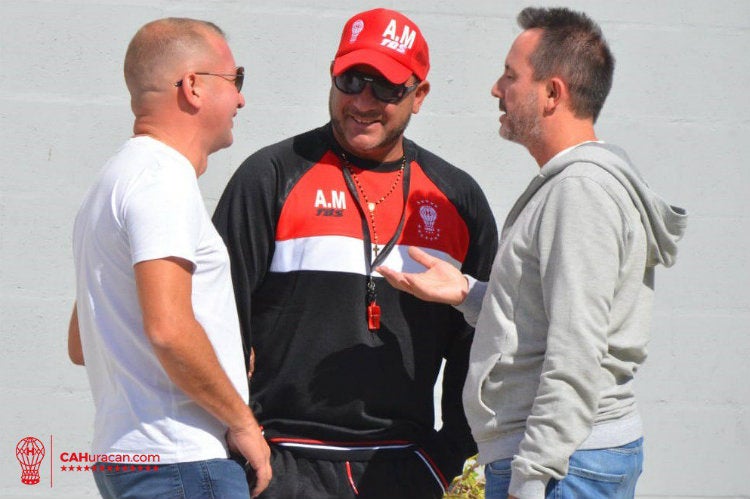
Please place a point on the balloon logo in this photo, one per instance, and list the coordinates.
(30, 453)
(428, 229)
(357, 28)
(429, 215)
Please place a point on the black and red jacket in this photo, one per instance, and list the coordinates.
(298, 240)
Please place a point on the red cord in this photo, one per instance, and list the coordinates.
(351, 478)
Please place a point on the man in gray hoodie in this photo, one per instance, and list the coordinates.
(563, 323)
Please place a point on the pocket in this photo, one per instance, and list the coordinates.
(497, 479)
(607, 464)
(165, 482)
(597, 476)
(586, 483)
(610, 473)
(431, 474)
(481, 382)
(227, 478)
(500, 467)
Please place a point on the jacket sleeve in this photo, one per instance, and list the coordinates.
(246, 217)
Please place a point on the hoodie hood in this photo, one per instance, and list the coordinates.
(665, 224)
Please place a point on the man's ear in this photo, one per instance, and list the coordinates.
(419, 94)
(557, 92)
(191, 89)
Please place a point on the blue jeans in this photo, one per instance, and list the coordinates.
(592, 474)
(212, 479)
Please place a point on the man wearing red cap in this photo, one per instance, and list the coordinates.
(345, 365)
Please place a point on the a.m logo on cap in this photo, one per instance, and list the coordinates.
(392, 40)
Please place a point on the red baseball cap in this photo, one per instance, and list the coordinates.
(385, 40)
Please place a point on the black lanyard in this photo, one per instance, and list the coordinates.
(373, 310)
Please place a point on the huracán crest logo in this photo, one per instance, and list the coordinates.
(30, 454)
(429, 215)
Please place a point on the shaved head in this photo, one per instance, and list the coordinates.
(164, 49)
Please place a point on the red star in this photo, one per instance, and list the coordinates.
(62, 468)
(156, 468)
(87, 468)
(79, 468)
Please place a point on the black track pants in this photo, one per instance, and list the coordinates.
(386, 475)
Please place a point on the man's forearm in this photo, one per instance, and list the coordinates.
(180, 342)
(187, 355)
(191, 363)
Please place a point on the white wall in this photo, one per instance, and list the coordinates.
(679, 106)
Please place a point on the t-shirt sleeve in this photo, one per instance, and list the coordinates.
(161, 214)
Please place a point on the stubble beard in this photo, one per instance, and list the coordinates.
(523, 126)
(387, 143)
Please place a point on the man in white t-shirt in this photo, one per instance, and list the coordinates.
(155, 318)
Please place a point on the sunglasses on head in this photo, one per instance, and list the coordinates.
(237, 78)
(353, 82)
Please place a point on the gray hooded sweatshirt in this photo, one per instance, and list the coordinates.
(565, 318)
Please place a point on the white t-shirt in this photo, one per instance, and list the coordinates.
(146, 205)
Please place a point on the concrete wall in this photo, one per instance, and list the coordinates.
(679, 106)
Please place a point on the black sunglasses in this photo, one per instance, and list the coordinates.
(237, 78)
(354, 82)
